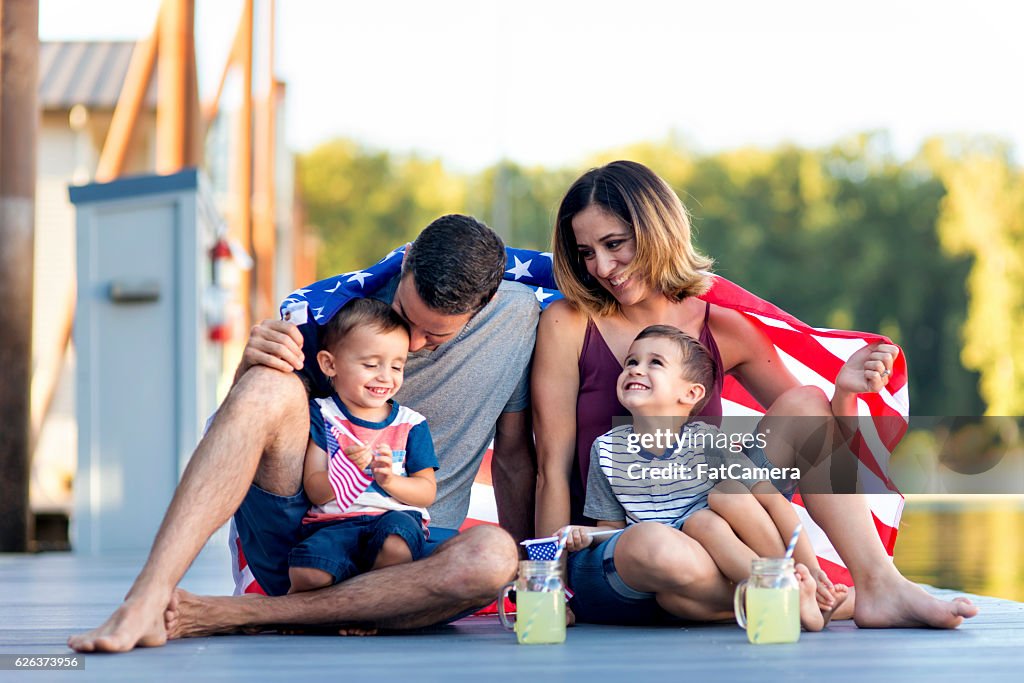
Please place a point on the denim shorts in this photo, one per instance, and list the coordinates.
(269, 526)
(346, 547)
(602, 597)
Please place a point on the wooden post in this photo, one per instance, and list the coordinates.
(126, 113)
(19, 122)
(264, 217)
(173, 101)
(242, 171)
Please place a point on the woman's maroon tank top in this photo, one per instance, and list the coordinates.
(597, 404)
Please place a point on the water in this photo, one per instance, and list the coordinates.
(773, 615)
(971, 544)
(540, 617)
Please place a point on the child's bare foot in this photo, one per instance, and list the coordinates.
(842, 595)
(810, 614)
(825, 594)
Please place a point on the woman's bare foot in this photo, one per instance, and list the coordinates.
(136, 623)
(894, 602)
(810, 614)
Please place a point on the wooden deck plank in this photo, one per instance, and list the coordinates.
(44, 598)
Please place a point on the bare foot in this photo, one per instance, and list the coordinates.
(844, 610)
(136, 623)
(826, 591)
(810, 613)
(193, 616)
(895, 602)
(841, 595)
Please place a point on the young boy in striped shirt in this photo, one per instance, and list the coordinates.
(664, 380)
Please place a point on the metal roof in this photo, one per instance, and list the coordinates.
(87, 73)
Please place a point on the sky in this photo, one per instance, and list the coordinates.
(550, 82)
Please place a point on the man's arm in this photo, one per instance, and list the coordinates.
(514, 472)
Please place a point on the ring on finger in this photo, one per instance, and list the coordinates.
(886, 373)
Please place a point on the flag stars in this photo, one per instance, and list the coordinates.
(542, 295)
(359, 276)
(520, 269)
(333, 289)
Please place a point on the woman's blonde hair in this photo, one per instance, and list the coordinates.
(665, 260)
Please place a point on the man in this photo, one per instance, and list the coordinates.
(471, 341)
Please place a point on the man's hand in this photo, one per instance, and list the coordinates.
(275, 344)
(360, 455)
(381, 466)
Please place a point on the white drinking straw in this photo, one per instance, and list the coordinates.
(792, 540)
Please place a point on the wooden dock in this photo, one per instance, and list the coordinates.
(44, 598)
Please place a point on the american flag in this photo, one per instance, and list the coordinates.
(347, 480)
(813, 355)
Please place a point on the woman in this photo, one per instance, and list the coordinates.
(623, 259)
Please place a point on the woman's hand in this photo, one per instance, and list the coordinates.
(868, 370)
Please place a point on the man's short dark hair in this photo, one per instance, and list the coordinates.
(457, 263)
(360, 313)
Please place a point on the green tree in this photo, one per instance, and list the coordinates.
(982, 216)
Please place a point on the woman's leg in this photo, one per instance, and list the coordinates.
(885, 599)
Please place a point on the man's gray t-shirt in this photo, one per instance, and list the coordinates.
(463, 386)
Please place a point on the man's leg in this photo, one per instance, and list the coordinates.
(259, 433)
(885, 599)
(464, 573)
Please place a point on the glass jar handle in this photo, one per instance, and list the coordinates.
(501, 606)
(739, 603)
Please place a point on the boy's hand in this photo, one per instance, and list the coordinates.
(381, 466)
(578, 538)
(360, 455)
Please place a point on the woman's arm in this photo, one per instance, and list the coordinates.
(749, 355)
(314, 475)
(555, 382)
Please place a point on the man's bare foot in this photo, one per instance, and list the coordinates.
(810, 614)
(842, 594)
(193, 616)
(136, 623)
(895, 602)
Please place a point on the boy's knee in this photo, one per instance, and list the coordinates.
(732, 503)
(393, 551)
(308, 578)
(703, 524)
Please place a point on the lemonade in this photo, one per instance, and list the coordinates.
(773, 615)
(540, 617)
